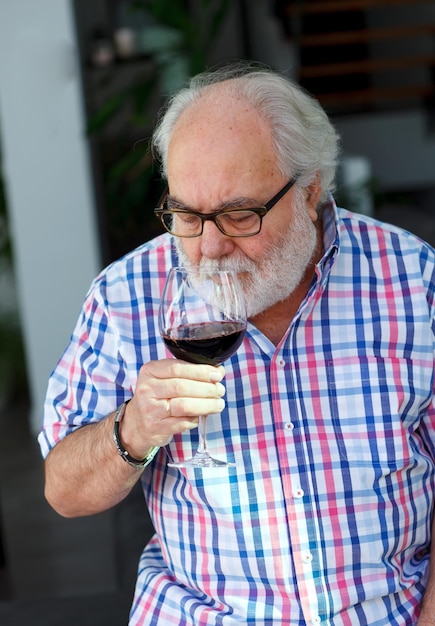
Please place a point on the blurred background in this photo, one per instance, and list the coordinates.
(80, 85)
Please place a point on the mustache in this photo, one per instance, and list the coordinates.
(237, 262)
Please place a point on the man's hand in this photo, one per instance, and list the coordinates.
(169, 396)
(84, 473)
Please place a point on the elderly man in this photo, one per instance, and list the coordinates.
(328, 413)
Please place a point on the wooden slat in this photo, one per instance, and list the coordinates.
(370, 96)
(340, 63)
(299, 7)
(366, 36)
(365, 67)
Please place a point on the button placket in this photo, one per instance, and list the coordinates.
(307, 557)
(280, 365)
(283, 378)
(298, 493)
(280, 362)
(291, 441)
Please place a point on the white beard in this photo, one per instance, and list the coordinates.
(281, 269)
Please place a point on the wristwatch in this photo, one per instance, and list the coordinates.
(123, 453)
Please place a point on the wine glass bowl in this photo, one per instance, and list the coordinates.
(202, 319)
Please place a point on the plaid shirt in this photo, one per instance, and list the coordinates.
(326, 517)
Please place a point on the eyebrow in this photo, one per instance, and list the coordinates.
(242, 201)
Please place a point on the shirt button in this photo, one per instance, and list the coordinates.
(307, 557)
(298, 492)
(289, 425)
(280, 362)
(315, 620)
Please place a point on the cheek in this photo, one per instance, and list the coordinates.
(254, 247)
(191, 248)
(252, 252)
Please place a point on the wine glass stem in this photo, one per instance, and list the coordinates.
(202, 443)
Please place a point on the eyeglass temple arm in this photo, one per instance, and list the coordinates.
(281, 193)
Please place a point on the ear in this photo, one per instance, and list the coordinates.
(312, 197)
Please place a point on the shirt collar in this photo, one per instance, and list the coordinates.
(331, 238)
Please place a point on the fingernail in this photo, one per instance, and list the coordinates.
(220, 404)
(217, 374)
(220, 389)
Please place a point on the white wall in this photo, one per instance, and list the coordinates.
(50, 196)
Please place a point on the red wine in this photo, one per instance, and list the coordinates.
(210, 343)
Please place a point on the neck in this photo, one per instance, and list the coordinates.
(275, 321)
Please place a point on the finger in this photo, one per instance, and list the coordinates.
(192, 407)
(180, 388)
(181, 426)
(175, 368)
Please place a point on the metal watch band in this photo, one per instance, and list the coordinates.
(123, 453)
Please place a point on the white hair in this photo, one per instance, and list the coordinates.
(305, 141)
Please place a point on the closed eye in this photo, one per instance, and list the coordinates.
(186, 218)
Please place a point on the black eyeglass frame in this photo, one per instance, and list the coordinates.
(160, 212)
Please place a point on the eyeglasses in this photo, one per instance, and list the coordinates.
(231, 222)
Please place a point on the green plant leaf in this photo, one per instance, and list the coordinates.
(106, 112)
(218, 18)
(167, 12)
(179, 38)
(141, 94)
(126, 164)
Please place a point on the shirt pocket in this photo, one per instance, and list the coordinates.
(374, 406)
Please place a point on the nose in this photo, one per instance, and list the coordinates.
(214, 243)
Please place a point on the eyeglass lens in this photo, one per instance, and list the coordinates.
(232, 222)
(235, 222)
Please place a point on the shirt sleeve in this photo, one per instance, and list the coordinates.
(427, 424)
(89, 380)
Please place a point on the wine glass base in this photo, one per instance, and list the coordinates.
(201, 460)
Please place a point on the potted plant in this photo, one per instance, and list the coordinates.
(177, 43)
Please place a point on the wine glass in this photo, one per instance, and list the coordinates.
(202, 319)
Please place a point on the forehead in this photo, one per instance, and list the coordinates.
(221, 133)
